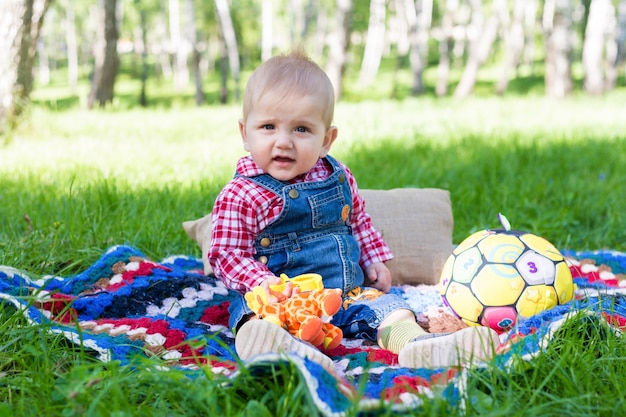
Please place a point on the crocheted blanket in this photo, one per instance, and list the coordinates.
(126, 306)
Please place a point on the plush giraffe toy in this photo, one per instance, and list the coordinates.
(305, 314)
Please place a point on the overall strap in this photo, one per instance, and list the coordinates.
(276, 186)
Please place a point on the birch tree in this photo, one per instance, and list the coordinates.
(161, 47)
(71, 44)
(319, 36)
(374, 42)
(267, 29)
(599, 42)
(418, 16)
(557, 23)
(612, 51)
(230, 48)
(530, 15)
(178, 47)
(107, 60)
(621, 33)
(481, 48)
(514, 45)
(446, 43)
(338, 42)
(20, 27)
(192, 36)
(141, 47)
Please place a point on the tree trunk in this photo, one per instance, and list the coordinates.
(192, 36)
(446, 43)
(43, 62)
(164, 66)
(621, 33)
(399, 27)
(514, 46)
(530, 16)
(72, 45)
(296, 17)
(230, 42)
(143, 95)
(107, 59)
(20, 26)
(338, 42)
(267, 29)
(12, 30)
(223, 61)
(481, 49)
(557, 23)
(310, 15)
(319, 37)
(610, 59)
(601, 13)
(374, 43)
(418, 15)
(178, 47)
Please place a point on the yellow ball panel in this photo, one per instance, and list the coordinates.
(466, 264)
(498, 285)
(501, 248)
(472, 240)
(563, 283)
(536, 299)
(542, 246)
(463, 302)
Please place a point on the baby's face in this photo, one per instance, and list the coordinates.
(286, 137)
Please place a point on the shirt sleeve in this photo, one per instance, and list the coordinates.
(373, 247)
(234, 228)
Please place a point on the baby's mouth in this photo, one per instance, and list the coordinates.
(283, 159)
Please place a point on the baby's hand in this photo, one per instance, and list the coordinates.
(286, 293)
(377, 275)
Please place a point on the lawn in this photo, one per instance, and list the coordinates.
(74, 182)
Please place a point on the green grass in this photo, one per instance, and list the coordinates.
(43, 375)
(74, 182)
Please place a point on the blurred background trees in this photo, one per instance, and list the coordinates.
(186, 43)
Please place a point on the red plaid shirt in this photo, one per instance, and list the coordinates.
(243, 209)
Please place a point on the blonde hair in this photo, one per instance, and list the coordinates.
(290, 74)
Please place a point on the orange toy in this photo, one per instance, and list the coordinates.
(305, 314)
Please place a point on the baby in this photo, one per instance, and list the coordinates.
(291, 209)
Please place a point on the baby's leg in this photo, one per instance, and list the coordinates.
(468, 346)
(429, 350)
(256, 337)
(398, 329)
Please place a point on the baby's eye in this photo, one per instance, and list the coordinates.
(267, 127)
(301, 129)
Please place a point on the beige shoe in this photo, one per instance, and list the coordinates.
(260, 336)
(464, 347)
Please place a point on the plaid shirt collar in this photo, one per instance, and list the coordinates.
(248, 168)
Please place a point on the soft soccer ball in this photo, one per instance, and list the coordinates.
(495, 277)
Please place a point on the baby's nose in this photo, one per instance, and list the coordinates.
(283, 140)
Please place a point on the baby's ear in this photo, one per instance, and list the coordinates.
(329, 139)
(244, 134)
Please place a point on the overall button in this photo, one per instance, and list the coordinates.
(265, 242)
(263, 260)
(294, 194)
(345, 212)
(342, 178)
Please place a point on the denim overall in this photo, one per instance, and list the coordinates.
(312, 235)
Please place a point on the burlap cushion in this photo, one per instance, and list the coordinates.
(416, 223)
